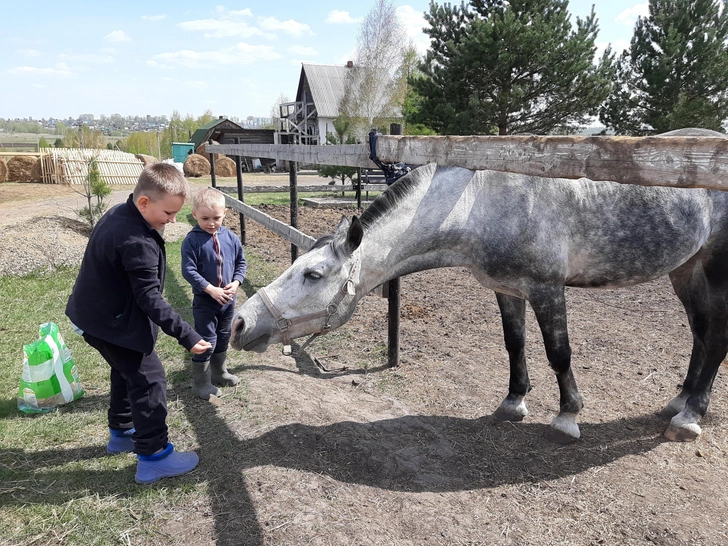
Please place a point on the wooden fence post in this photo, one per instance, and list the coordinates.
(241, 195)
(212, 166)
(293, 185)
(394, 300)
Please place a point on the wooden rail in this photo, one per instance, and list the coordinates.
(305, 189)
(290, 234)
(679, 161)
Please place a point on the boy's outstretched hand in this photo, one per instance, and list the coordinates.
(201, 347)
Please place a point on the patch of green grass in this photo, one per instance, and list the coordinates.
(57, 484)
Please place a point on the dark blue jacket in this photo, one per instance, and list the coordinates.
(118, 292)
(199, 259)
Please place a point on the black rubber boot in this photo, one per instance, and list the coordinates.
(220, 375)
(201, 385)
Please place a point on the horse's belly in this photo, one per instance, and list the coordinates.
(602, 274)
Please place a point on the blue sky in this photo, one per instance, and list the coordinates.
(134, 57)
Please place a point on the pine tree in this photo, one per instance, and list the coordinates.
(510, 67)
(675, 73)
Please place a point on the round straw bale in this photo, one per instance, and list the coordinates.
(3, 171)
(196, 165)
(20, 168)
(147, 159)
(201, 150)
(36, 173)
(224, 166)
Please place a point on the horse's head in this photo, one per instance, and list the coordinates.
(316, 294)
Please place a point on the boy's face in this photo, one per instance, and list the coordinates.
(209, 218)
(160, 212)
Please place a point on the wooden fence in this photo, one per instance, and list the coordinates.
(71, 166)
(679, 161)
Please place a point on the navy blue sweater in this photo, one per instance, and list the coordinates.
(117, 296)
(200, 260)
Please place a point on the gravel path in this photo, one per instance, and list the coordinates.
(44, 235)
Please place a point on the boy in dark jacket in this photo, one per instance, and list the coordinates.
(118, 307)
(213, 262)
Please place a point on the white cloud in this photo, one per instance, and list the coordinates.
(629, 16)
(336, 16)
(413, 22)
(117, 36)
(303, 50)
(60, 70)
(153, 17)
(88, 58)
(240, 54)
(289, 27)
(29, 52)
(218, 28)
(228, 13)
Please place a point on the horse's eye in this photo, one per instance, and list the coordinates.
(312, 275)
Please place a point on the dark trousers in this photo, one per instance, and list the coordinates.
(138, 394)
(214, 323)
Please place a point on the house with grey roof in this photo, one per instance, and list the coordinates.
(311, 116)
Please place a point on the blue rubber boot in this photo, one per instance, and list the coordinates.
(120, 441)
(165, 464)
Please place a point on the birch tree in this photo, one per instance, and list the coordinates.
(370, 96)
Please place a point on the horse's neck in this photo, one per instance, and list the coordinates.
(406, 240)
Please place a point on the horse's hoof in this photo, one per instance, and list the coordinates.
(563, 429)
(683, 433)
(508, 413)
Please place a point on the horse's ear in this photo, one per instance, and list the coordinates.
(342, 227)
(354, 235)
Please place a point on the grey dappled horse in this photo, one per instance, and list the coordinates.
(526, 238)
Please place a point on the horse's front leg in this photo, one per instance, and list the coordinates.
(549, 305)
(513, 315)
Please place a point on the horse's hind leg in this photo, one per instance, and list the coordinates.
(549, 305)
(702, 289)
(513, 315)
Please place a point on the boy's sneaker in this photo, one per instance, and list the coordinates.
(166, 464)
(120, 441)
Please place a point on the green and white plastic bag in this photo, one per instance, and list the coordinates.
(50, 377)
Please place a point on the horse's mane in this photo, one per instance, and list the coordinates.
(388, 200)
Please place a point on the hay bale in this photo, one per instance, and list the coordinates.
(3, 171)
(20, 168)
(201, 150)
(147, 159)
(36, 173)
(224, 167)
(196, 165)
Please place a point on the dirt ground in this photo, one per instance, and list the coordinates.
(411, 455)
(372, 455)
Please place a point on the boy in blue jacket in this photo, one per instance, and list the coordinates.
(117, 305)
(213, 262)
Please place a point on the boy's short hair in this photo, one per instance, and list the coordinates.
(208, 198)
(160, 179)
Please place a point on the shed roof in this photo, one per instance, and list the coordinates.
(326, 83)
(205, 132)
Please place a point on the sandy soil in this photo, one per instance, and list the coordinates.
(410, 455)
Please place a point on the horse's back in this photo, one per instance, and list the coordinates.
(583, 232)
